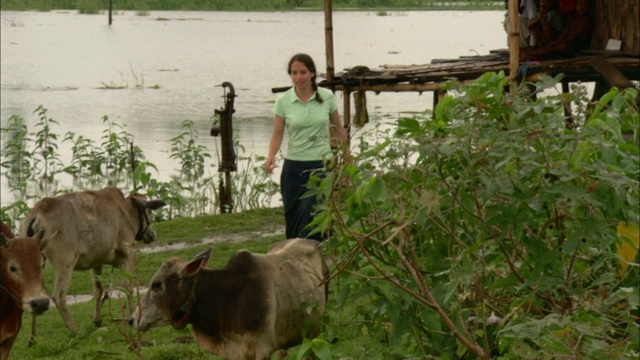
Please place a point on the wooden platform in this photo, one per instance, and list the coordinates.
(605, 68)
(590, 66)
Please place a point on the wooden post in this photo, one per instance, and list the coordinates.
(568, 114)
(437, 96)
(347, 111)
(328, 44)
(328, 38)
(514, 44)
(110, 12)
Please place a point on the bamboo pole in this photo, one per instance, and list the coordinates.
(328, 38)
(328, 43)
(514, 44)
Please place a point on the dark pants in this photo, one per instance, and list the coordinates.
(298, 207)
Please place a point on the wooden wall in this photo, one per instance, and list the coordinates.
(616, 19)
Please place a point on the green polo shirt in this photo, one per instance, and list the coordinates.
(307, 125)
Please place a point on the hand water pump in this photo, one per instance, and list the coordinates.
(229, 160)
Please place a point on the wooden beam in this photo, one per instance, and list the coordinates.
(613, 76)
(393, 87)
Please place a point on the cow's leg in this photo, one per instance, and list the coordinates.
(129, 266)
(279, 354)
(247, 345)
(98, 290)
(59, 295)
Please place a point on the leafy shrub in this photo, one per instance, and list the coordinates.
(488, 228)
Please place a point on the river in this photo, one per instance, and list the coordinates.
(168, 66)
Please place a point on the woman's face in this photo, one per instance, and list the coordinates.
(300, 75)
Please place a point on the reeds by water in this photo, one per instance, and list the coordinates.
(34, 167)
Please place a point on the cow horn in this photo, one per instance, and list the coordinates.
(44, 239)
(40, 235)
(155, 204)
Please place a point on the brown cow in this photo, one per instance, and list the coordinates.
(257, 305)
(21, 285)
(87, 230)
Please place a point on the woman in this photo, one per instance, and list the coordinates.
(307, 113)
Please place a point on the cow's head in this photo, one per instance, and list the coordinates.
(144, 208)
(170, 294)
(22, 262)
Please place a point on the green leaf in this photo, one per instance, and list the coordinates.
(304, 349)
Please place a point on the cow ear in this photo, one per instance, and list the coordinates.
(206, 254)
(196, 264)
(155, 204)
(3, 240)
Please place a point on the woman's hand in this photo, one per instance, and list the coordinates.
(270, 164)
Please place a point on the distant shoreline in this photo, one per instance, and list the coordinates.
(430, 8)
(144, 8)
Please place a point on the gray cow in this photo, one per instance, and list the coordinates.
(258, 305)
(87, 230)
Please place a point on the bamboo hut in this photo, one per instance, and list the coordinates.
(616, 19)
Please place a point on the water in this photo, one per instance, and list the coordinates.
(63, 60)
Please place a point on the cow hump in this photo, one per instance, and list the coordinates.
(243, 261)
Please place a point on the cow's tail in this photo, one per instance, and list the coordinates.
(32, 227)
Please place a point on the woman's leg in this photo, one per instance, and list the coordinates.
(298, 208)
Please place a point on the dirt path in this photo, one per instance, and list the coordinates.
(234, 238)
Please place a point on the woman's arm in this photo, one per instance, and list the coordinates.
(340, 134)
(274, 144)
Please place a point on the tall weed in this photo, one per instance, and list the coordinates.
(34, 169)
(16, 155)
(119, 154)
(47, 164)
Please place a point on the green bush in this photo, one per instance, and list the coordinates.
(488, 228)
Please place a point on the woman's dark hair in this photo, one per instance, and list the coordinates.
(311, 66)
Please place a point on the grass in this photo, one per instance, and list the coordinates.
(257, 229)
